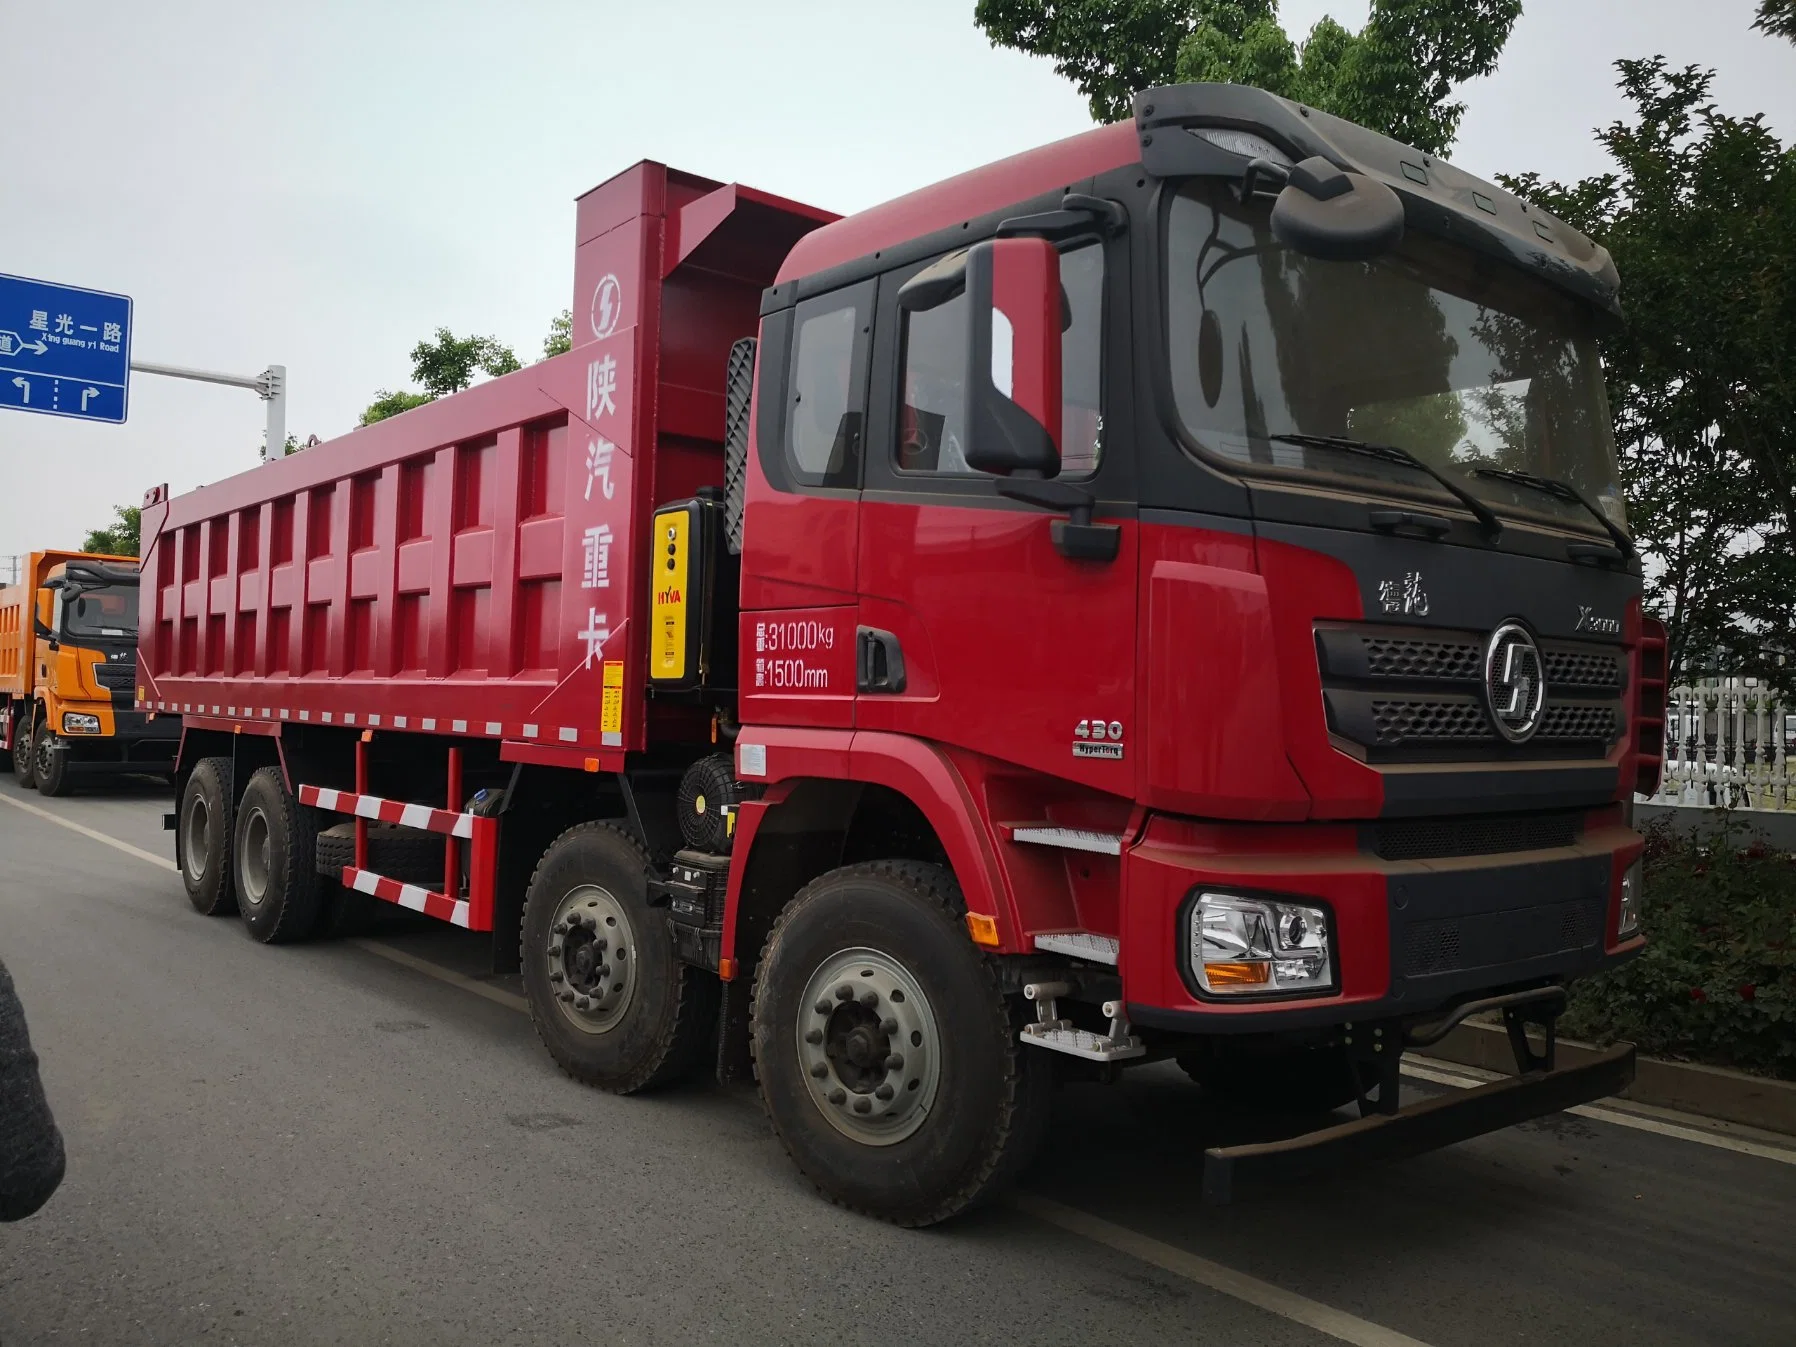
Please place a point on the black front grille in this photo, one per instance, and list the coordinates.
(117, 675)
(1408, 694)
(1582, 669)
(1431, 838)
(1390, 657)
(1495, 938)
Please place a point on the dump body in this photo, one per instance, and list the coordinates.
(472, 566)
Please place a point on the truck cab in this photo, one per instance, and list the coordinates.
(70, 697)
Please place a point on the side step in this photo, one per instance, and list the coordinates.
(1059, 1035)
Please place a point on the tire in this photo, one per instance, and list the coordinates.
(979, 1110)
(24, 749)
(273, 864)
(50, 768)
(643, 1029)
(1299, 1080)
(203, 832)
(404, 854)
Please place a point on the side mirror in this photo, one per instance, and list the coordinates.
(1329, 213)
(1013, 357)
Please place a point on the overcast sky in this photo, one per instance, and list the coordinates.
(322, 183)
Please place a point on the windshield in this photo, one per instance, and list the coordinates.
(108, 610)
(1460, 359)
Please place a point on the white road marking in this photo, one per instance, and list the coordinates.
(1699, 1135)
(161, 861)
(497, 994)
(1273, 1299)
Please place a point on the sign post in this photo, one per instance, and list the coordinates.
(64, 350)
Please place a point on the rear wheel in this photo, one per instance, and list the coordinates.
(49, 766)
(203, 837)
(273, 861)
(886, 1050)
(24, 759)
(610, 1001)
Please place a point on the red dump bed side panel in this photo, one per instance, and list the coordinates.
(471, 567)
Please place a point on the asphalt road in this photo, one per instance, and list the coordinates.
(325, 1144)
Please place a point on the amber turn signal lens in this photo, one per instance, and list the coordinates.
(1250, 973)
(982, 928)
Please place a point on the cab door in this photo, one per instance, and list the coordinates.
(1007, 647)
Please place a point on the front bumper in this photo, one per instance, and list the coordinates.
(1425, 1126)
(1409, 936)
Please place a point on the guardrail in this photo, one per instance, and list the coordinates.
(1729, 742)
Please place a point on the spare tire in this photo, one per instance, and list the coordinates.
(404, 854)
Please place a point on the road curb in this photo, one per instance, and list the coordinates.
(1709, 1091)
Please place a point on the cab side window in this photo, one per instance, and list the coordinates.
(932, 380)
(825, 393)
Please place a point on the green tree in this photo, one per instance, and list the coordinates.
(120, 538)
(561, 334)
(1396, 75)
(1777, 17)
(1700, 216)
(444, 365)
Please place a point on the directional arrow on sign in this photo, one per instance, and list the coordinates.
(87, 393)
(23, 383)
(10, 343)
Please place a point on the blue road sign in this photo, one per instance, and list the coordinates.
(64, 351)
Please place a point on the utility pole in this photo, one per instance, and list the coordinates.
(270, 385)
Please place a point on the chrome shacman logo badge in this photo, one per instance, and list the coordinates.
(1515, 685)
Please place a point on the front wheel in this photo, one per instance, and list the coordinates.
(610, 1000)
(49, 767)
(887, 1054)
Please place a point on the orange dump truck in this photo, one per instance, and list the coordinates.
(68, 674)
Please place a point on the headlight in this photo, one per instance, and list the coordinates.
(73, 722)
(1629, 921)
(1240, 946)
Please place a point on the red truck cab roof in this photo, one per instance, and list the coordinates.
(962, 197)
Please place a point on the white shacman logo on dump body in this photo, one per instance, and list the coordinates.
(1515, 684)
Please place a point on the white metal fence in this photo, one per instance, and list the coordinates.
(1728, 741)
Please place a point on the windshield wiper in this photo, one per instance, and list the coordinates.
(1390, 453)
(1564, 491)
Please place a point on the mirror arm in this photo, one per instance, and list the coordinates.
(1075, 537)
(1275, 175)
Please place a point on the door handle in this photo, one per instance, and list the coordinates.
(879, 661)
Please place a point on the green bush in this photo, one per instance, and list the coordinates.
(1717, 981)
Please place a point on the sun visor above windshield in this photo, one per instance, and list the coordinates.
(1437, 198)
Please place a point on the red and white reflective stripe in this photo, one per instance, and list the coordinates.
(443, 908)
(388, 811)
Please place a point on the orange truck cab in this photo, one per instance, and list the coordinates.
(68, 670)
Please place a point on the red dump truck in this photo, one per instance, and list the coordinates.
(1166, 595)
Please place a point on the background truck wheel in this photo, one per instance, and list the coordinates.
(203, 837)
(50, 768)
(1297, 1080)
(887, 1054)
(610, 1001)
(24, 764)
(273, 861)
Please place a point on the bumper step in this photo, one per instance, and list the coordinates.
(1426, 1126)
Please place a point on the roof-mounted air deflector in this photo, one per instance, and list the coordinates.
(1217, 130)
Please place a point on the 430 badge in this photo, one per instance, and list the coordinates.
(1098, 739)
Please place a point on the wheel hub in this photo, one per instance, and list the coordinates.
(868, 1046)
(591, 959)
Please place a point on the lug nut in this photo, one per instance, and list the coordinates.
(863, 1105)
(559, 928)
(844, 992)
(869, 998)
(582, 1003)
(885, 1092)
(894, 1063)
(838, 1095)
(557, 976)
(822, 1007)
(888, 1026)
(564, 996)
(814, 1037)
(555, 948)
(819, 1071)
